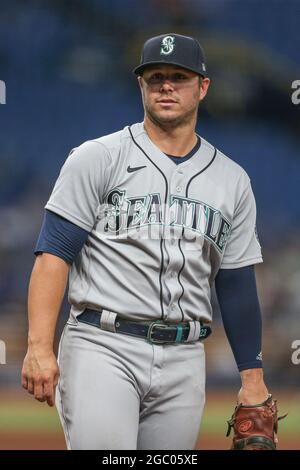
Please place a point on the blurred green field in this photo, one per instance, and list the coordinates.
(19, 418)
(26, 423)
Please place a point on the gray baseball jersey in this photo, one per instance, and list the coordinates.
(158, 232)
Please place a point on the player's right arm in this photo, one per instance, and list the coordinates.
(70, 215)
(47, 286)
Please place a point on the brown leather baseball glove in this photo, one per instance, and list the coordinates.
(255, 427)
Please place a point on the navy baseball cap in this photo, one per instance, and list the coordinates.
(174, 49)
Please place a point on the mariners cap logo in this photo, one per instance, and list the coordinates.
(167, 45)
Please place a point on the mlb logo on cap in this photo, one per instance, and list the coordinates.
(175, 49)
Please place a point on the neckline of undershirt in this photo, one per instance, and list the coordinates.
(186, 157)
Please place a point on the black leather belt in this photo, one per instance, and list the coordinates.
(157, 332)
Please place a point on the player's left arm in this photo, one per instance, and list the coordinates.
(255, 419)
(241, 314)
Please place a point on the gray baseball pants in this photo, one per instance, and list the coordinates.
(121, 392)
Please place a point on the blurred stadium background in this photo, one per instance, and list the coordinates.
(67, 68)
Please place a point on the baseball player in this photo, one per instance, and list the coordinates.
(144, 221)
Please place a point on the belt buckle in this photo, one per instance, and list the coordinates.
(150, 331)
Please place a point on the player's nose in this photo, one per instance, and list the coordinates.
(166, 85)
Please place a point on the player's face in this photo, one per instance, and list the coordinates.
(171, 94)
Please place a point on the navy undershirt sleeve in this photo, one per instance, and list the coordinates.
(60, 237)
(240, 310)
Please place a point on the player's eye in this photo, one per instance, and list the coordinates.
(178, 77)
(156, 78)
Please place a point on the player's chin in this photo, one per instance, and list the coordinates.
(167, 107)
(167, 115)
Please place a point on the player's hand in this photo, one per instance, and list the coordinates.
(252, 396)
(253, 388)
(40, 374)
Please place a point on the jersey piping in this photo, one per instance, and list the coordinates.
(162, 239)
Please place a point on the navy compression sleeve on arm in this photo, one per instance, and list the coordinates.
(60, 237)
(239, 304)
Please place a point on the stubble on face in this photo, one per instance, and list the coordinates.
(171, 119)
(165, 121)
(171, 122)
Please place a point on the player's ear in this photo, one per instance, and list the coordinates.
(141, 85)
(204, 84)
(140, 80)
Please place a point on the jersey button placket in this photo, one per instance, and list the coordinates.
(177, 188)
